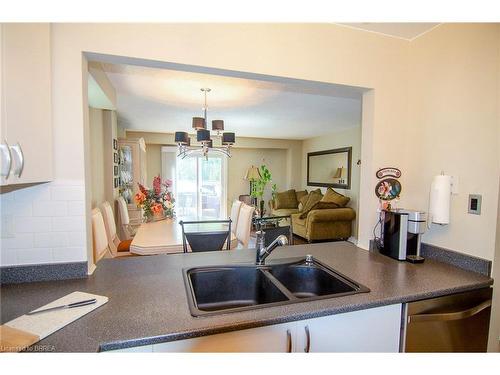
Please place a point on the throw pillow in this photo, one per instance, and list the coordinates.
(300, 194)
(325, 205)
(333, 197)
(304, 199)
(314, 198)
(286, 199)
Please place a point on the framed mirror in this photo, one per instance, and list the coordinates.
(330, 168)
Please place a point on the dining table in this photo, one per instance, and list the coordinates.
(165, 236)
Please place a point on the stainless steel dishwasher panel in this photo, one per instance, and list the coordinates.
(454, 323)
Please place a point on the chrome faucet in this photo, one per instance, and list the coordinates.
(263, 251)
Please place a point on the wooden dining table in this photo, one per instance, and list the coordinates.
(165, 236)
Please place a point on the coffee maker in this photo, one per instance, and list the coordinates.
(401, 234)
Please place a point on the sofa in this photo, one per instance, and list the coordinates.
(318, 217)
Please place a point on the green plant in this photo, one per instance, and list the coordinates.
(274, 190)
(259, 186)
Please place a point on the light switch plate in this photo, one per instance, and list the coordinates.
(475, 204)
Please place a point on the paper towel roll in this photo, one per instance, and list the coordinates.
(440, 197)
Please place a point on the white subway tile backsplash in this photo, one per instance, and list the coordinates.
(67, 193)
(43, 224)
(70, 254)
(33, 193)
(34, 256)
(19, 241)
(68, 224)
(8, 257)
(76, 238)
(76, 208)
(49, 208)
(32, 224)
(52, 240)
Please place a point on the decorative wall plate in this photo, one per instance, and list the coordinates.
(388, 172)
(388, 189)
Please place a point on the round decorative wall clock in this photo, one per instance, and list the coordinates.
(388, 189)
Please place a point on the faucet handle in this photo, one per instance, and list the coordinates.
(309, 259)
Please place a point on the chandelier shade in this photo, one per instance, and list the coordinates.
(203, 135)
(182, 138)
(228, 138)
(218, 125)
(199, 123)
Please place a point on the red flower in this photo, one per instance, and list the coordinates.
(142, 189)
(157, 185)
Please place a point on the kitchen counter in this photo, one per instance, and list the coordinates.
(148, 301)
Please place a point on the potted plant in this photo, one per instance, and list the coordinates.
(259, 186)
(158, 202)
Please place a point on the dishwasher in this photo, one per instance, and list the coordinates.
(453, 323)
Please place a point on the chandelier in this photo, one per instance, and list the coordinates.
(203, 136)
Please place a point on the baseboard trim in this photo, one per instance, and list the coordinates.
(43, 272)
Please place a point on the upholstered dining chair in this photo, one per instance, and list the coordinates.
(245, 198)
(244, 224)
(235, 213)
(127, 229)
(99, 237)
(117, 247)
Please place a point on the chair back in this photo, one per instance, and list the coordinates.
(99, 236)
(211, 239)
(110, 225)
(244, 224)
(123, 211)
(245, 198)
(235, 212)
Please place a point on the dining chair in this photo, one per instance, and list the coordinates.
(235, 212)
(245, 198)
(212, 239)
(99, 237)
(127, 229)
(244, 224)
(117, 247)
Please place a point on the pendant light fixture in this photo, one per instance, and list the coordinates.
(204, 137)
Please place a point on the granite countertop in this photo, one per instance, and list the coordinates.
(148, 301)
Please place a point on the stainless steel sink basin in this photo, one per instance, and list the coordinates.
(230, 288)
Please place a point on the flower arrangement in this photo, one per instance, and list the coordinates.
(156, 202)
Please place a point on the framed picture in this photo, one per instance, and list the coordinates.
(115, 157)
(116, 182)
(115, 144)
(115, 170)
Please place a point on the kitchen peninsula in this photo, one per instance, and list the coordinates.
(148, 303)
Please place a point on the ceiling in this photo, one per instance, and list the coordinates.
(164, 100)
(406, 30)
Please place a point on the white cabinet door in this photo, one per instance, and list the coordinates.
(26, 100)
(371, 330)
(277, 338)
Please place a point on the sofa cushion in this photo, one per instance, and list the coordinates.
(286, 199)
(313, 199)
(285, 211)
(325, 205)
(332, 196)
(300, 194)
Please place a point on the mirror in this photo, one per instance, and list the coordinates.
(330, 168)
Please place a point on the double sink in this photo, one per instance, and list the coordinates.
(231, 288)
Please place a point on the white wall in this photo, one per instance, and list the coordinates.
(453, 127)
(320, 52)
(346, 138)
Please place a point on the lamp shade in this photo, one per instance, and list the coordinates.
(199, 123)
(182, 138)
(228, 138)
(338, 173)
(203, 135)
(218, 125)
(252, 174)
